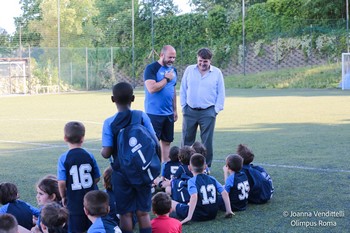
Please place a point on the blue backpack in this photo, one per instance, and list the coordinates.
(261, 187)
(137, 154)
(179, 191)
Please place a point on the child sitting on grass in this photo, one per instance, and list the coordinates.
(204, 189)
(169, 168)
(22, 211)
(261, 187)
(200, 148)
(177, 187)
(96, 207)
(46, 192)
(236, 183)
(9, 224)
(161, 206)
(54, 218)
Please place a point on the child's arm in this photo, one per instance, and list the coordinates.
(62, 188)
(226, 199)
(106, 152)
(225, 169)
(107, 140)
(35, 211)
(192, 206)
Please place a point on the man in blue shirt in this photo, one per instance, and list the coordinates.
(202, 96)
(160, 100)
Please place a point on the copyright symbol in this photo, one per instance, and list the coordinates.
(285, 214)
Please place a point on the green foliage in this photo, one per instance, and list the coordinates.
(322, 9)
(289, 24)
(5, 40)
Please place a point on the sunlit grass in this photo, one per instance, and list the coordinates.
(301, 136)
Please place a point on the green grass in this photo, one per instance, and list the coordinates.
(326, 76)
(301, 137)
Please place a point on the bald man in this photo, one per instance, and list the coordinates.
(160, 100)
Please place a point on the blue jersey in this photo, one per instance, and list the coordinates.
(261, 187)
(179, 186)
(237, 186)
(169, 169)
(161, 102)
(207, 189)
(179, 190)
(183, 172)
(22, 211)
(79, 169)
(102, 225)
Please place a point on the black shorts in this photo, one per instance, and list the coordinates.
(163, 126)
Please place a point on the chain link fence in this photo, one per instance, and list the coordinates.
(98, 68)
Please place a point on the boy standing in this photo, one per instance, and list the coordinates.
(77, 174)
(96, 207)
(129, 198)
(203, 189)
(161, 205)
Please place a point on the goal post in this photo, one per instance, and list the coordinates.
(345, 81)
(13, 76)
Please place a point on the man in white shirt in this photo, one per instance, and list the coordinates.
(202, 97)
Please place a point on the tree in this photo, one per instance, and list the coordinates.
(75, 23)
(4, 43)
(31, 11)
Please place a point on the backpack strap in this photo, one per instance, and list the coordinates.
(136, 117)
(122, 120)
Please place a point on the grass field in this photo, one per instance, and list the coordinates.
(301, 137)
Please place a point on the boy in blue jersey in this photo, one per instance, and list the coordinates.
(169, 168)
(236, 183)
(21, 210)
(204, 189)
(96, 207)
(160, 97)
(77, 174)
(261, 187)
(177, 186)
(129, 198)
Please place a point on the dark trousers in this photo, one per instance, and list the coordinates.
(205, 119)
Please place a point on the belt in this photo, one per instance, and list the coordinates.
(201, 109)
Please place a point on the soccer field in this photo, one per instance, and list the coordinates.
(301, 137)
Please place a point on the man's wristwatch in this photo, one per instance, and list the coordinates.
(167, 79)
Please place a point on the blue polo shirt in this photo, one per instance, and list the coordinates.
(161, 102)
